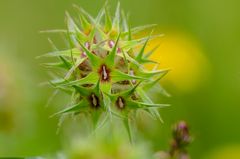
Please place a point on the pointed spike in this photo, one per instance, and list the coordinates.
(133, 105)
(95, 118)
(143, 95)
(108, 21)
(83, 91)
(125, 60)
(52, 96)
(144, 61)
(153, 111)
(91, 78)
(104, 121)
(66, 90)
(53, 31)
(58, 82)
(129, 58)
(100, 14)
(86, 26)
(83, 12)
(111, 96)
(129, 32)
(150, 74)
(129, 92)
(116, 20)
(52, 44)
(66, 62)
(127, 126)
(137, 42)
(95, 60)
(67, 53)
(92, 34)
(74, 67)
(54, 65)
(111, 57)
(154, 82)
(152, 105)
(72, 26)
(97, 87)
(106, 99)
(77, 107)
(142, 28)
(154, 114)
(140, 54)
(80, 37)
(162, 90)
(155, 68)
(147, 55)
(124, 21)
(120, 76)
(74, 34)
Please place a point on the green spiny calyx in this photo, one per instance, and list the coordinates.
(104, 67)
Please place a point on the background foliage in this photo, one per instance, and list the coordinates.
(208, 32)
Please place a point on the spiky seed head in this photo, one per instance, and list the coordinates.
(102, 64)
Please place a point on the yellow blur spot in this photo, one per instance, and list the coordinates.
(183, 56)
(230, 152)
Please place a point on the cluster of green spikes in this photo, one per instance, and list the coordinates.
(103, 70)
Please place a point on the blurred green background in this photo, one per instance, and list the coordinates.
(211, 106)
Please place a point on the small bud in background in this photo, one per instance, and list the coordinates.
(181, 139)
(181, 135)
